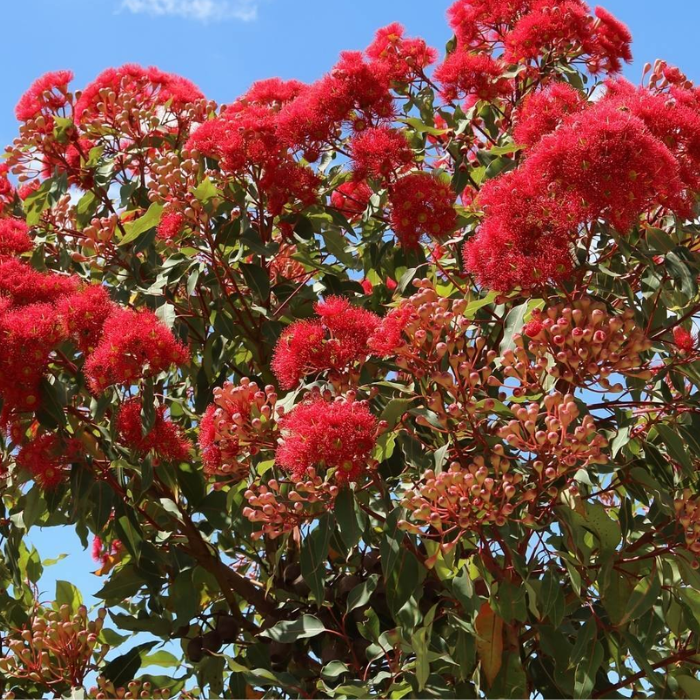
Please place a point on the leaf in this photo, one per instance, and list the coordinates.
(361, 594)
(489, 641)
(206, 190)
(422, 128)
(348, 519)
(68, 594)
(125, 667)
(511, 681)
(644, 595)
(394, 410)
(420, 645)
(514, 324)
(675, 446)
(161, 658)
(288, 631)
(314, 553)
(256, 278)
(135, 229)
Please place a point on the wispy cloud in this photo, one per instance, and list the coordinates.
(202, 10)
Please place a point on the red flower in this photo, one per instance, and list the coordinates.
(338, 435)
(22, 284)
(170, 225)
(47, 94)
(542, 112)
(334, 342)
(44, 457)
(165, 439)
(134, 344)
(351, 199)
(388, 337)
(610, 44)
(14, 237)
(404, 58)
(83, 315)
(421, 204)
(474, 21)
(463, 73)
(148, 87)
(685, 341)
(380, 152)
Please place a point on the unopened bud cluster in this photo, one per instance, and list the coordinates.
(581, 343)
(56, 647)
(135, 689)
(555, 441)
(484, 493)
(688, 515)
(239, 424)
(279, 507)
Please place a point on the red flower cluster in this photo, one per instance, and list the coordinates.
(47, 458)
(337, 435)
(46, 96)
(602, 163)
(333, 343)
(542, 112)
(170, 225)
(405, 59)
(14, 237)
(134, 344)
(463, 74)
(165, 439)
(239, 423)
(351, 199)
(380, 152)
(421, 204)
(684, 340)
(103, 99)
(83, 315)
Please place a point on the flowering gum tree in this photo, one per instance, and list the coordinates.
(381, 386)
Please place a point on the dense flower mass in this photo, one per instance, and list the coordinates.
(165, 439)
(380, 385)
(134, 344)
(334, 342)
(339, 435)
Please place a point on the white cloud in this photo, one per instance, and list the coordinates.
(203, 10)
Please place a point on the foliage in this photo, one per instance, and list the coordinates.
(383, 386)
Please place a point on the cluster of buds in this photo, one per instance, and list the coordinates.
(56, 649)
(175, 178)
(429, 337)
(466, 499)
(688, 515)
(135, 689)
(560, 444)
(239, 424)
(280, 507)
(580, 343)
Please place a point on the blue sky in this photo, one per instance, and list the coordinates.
(223, 46)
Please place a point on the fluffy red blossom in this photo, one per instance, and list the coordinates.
(14, 237)
(388, 336)
(170, 225)
(104, 554)
(554, 26)
(273, 92)
(236, 426)
(421, 204)
(25, 190)
(463, 74)
(380, 152)
(474, 21)
(165, 438)
(533, 328)
(22, 284)
(351, 199)
(83, 315)
(317, 434)
(7, 190)
(542, 112)
(150, 87)
(44, 457)
(685, 341)
(333, 342)
(611, 44)
(28, 334)
(134, 344)
(606, 163)
(404, 58)
(46, 95)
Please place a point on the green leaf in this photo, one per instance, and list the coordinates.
(125, 667)
(361, 594)
(135, 229)
(206, 190)
(644, 595)
(68, 594)
(288, 631)
(256, 278)
(348, 518)
(314, 553)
